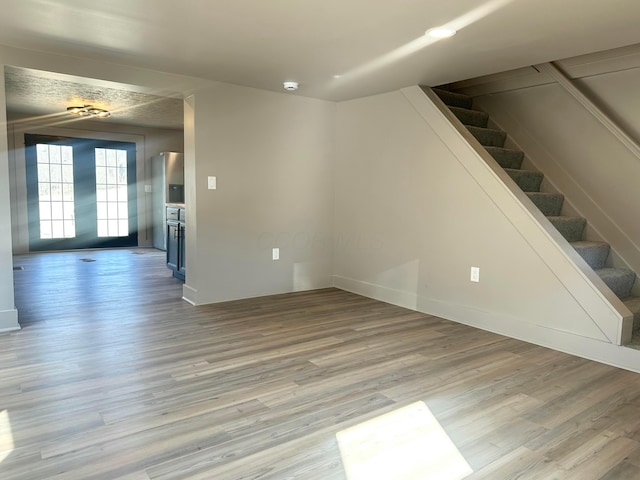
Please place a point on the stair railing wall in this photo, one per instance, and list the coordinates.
(604, 308)
(607, 220)
(567, 83)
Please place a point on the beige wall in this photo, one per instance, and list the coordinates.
(149, 142)
(272, 156)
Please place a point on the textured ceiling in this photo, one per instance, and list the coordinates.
(38, 94)
(374, 45)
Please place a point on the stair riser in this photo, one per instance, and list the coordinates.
(454, 99)
(621, 284)
(570, 228)
(471, 117)
(488, 138)
(633, 304)
(595, 256)
(548, 203)
(506, 158)
(526, 180)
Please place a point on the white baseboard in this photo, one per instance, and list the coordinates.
(9, 320)
(377, 292)
(607, 353)
(190, 294)
(188, 301)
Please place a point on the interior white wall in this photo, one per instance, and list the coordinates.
(272, 156)
(149, 142)
(413, 214)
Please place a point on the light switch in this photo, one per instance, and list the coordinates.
(212, 183)
(275, 254)
(147, 189)
(475, 274)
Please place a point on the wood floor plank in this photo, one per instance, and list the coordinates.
(114, 376)
(623, 471)
(512, 465)
(602, 458)
(205, 414)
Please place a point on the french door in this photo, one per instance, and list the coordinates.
(81, 193)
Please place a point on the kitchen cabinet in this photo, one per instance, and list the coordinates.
(176, 242)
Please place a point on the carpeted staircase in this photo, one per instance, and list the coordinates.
(620, 281)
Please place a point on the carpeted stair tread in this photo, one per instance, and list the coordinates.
(527, 180)
(571, 228)
(467, 116)
(452, 99)
(488, 137)
(633, 304)
(619, 280)
(594, 253)
(506, 157)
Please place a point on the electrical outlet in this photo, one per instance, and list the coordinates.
(148, 189)
(475, 274)
(212, 183)
(275, 254)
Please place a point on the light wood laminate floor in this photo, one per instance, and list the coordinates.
(114, 376)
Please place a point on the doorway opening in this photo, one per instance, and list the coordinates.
(80, 189)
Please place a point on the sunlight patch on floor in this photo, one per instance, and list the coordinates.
(6, 436)
(406, 444)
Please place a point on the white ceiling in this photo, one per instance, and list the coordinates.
(376, 45)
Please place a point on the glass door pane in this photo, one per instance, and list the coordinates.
(55, 191)
(112, 203)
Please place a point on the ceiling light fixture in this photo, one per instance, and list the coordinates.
(440, 32)
(89, 111)
(290, 86)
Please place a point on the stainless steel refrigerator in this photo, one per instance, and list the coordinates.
(167, 187)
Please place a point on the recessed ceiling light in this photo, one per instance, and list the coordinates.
(440, 32)
(337, 76)
(290, 86)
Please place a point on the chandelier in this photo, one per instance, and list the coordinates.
(89, 111)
